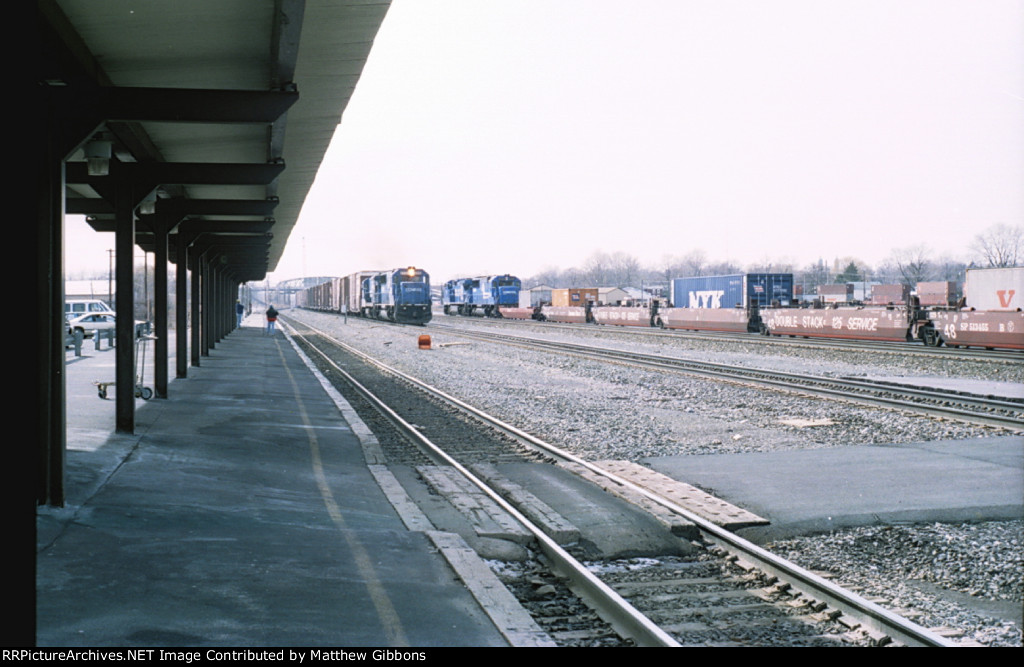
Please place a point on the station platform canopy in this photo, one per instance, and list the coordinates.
(218, 113)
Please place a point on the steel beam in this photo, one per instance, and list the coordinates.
(175, 105)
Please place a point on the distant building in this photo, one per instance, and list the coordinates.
(612, 296)
(539, 295)
(87, 289)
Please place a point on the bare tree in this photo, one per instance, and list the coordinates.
(695, 263)
(1000, 245)
(550, 275)
(670, 267)
(625, 269)
(573, 277)
(912, 264)
(769, 265)
(723, 268)
(950, 269)
(597, 269)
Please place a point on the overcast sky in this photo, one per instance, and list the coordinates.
(507, 136)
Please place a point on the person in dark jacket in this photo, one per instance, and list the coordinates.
(271, 319)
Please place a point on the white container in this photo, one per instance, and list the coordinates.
(995, 289)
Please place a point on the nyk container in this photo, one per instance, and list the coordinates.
(740, 290)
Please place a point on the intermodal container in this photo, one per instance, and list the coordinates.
(573, 296)
(739, 290)
(835, 293)
(995, 289)
(944, 293)
(882, 295)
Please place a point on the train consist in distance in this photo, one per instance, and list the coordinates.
(399, 295)
(989, 315)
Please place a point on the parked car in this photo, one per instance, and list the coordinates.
(91, 322)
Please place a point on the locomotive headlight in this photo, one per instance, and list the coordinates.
(411, 271)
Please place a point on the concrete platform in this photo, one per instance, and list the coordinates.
(817, 490)
(241, 513)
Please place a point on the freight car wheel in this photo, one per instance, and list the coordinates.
(932, 338)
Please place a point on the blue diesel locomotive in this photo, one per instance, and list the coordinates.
(398, 295)
(488, 293)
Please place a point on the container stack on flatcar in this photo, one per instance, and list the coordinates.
(942, 294)
(572, 305)
(840, 293)
(992, 316)
(725, 303)
(889, 295)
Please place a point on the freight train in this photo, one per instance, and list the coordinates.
(989, 315)
(399, 295)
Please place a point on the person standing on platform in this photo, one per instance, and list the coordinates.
(239, 311)
(271, 319)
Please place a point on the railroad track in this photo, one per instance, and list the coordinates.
(890, 348)
(980, 410)
(726, 592)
